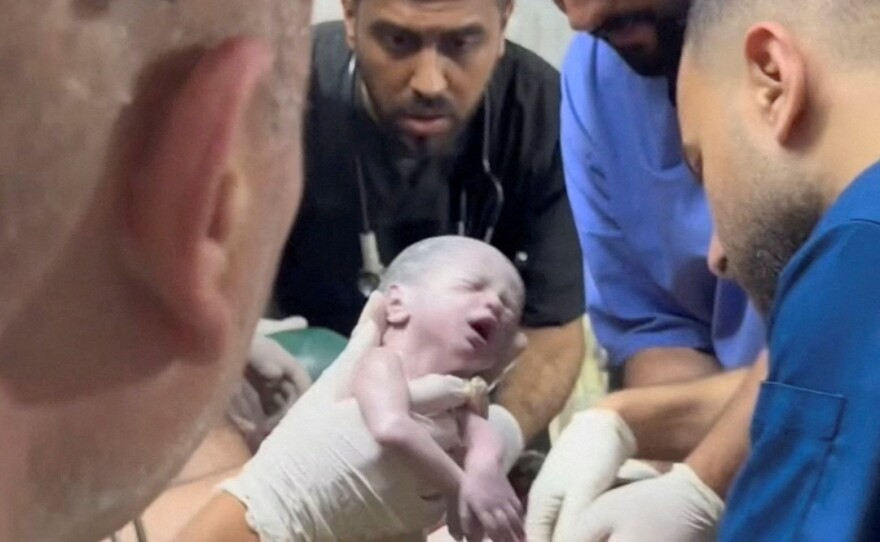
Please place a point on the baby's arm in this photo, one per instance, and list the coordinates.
(487, 499)
(381, 391)
(484, 448)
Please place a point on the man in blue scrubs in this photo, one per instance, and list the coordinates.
(645, 230)
(779, 117)
(643, 223)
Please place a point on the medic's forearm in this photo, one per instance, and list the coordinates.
(221, 520)
(657, 366)
(719, 456)
(669, 421)
(538, 386)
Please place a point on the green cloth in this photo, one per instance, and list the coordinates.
(315, 348)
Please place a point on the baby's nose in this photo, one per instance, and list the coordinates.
(493, 302)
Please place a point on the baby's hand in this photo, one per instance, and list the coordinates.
(488, 504)
(478, 392)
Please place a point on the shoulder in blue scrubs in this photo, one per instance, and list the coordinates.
(814, 470)
(643, 222)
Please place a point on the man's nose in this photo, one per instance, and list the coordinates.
(429, 78)
(585, 15)
(717, 258)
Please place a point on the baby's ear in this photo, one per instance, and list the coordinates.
(395, 304)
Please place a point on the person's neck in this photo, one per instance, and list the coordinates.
(851, 140)
(418, 359)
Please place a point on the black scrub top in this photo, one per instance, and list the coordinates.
(410, 199)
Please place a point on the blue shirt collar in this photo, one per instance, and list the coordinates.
(860, 200)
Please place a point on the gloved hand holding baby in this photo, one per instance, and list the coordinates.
(396, 432)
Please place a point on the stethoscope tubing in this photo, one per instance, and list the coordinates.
(371, 263)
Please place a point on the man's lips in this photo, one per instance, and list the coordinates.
(426, 126)
(631, 34)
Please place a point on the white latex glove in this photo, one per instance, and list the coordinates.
(321, 476)
(674, 507)
(508, 429)
(273, 382)
(268, 326)
(582, 465)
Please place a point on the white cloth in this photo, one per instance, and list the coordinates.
(582, 465)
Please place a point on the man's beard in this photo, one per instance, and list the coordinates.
(775, 230)
(426, 147)
(665, 58)
(388, 121)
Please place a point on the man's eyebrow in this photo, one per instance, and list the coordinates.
(387, 26)
(470, 30)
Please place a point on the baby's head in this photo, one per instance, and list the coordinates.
(454, 303)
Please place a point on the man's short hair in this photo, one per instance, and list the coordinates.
(501, 3)
(848, 27)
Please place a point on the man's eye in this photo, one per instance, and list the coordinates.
(399, 42)
(459, 45)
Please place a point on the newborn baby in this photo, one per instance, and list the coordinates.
(377, 439)
(453, 307)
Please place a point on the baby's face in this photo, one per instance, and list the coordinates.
(469, 311)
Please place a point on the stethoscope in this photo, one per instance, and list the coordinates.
(139, 532)
(372, 268)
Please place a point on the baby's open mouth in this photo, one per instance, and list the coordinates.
(483, 329)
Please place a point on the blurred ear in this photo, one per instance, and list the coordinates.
(186, 205)
(777, 78)
(396, 306)
(349, 15)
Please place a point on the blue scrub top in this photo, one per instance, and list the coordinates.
(642, 220)
(814, 468)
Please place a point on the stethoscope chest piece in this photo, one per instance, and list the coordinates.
(370, 274)
(368, 282)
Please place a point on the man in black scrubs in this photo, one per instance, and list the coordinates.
(422, 120)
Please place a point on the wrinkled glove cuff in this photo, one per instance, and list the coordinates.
(276, 508)
(625, 435)
(711, 503)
